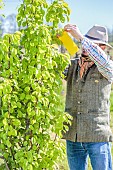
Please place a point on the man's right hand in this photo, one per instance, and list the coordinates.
(74, 31)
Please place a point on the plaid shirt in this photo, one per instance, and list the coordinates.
(96, 54)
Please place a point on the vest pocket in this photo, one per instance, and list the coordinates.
(93, 111)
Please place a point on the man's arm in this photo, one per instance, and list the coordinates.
(96, 54)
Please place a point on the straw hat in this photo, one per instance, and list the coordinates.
(98, 34)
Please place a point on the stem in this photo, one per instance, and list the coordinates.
(55, 137)
(2, 157)
(6, 165)
(13, 155)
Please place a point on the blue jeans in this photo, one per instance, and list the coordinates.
(99, 154)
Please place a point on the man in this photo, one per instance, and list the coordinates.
(89, 80)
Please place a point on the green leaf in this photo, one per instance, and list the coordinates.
(22, 96)
(8, 143)
(27, 89)
(5, 122)
(18, 104)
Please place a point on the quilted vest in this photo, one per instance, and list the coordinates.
(87, 101)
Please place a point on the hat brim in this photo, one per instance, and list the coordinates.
(99, 42)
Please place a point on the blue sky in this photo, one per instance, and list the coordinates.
(84, 13)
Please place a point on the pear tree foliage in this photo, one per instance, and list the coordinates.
(31, 107)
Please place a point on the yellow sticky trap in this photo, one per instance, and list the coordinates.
(68, 43)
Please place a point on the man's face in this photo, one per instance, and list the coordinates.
(102, 46)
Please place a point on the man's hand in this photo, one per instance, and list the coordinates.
(74, 31)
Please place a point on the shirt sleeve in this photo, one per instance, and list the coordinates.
(99, 57)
